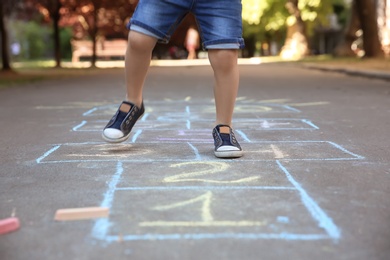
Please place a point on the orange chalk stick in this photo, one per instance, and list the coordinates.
(81, 213)
(8, 225)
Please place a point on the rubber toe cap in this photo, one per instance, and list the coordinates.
(112, 133)
(226, 148)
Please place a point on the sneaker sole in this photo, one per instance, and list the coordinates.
(117, 140)
(228, 154)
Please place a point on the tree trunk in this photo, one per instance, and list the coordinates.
(368, 19)
(4, 40)
(344, 47)
(94, 36)
(94, 55)
(250, 47)
(296, 45)
(57, 44)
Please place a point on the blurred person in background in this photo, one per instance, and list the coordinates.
(191, 43)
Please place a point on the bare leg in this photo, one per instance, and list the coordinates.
(138, 55)
(226, 81)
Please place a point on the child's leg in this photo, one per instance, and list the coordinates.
(152, 20)
(221, 30)
(138, 55)
(226, 81)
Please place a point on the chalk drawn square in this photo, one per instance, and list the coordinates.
(250, 123)
(272, 124)
(179, 116)
(90, 126)
(287, 150)
(211, 212)
(104, 152)
(105, 110)
(200, 174)
(150, 108)
(98, 125)
(176, 136)
(249, 108)
(109, 110)
(161, 108)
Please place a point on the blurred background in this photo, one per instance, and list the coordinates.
(67, 32)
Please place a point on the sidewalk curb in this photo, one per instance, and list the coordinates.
(352, 72)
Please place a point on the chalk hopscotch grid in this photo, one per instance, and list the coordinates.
(331, 231)
(102, 226)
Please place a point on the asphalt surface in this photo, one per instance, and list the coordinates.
(313, 183)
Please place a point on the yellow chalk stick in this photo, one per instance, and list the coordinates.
(81, 213)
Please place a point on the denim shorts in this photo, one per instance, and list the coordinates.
(219, 21)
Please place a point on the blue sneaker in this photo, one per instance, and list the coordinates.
(119, 127)
(226, 145)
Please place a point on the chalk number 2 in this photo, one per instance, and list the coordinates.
(200, 170)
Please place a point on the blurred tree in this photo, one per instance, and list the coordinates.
(291, 21)
(51, 10)
(6, 7)
(66, 34)
(95, 6)
(87, 12)
(97, 17)
(296, 44)
(363, 17)
(367, 14)
(305, 17)
(54, 7)
(350, 34)
(255, 20)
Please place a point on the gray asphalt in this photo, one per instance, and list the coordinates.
(313, 183)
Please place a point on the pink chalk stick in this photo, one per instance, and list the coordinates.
(8, 225)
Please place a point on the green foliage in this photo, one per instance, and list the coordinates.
(270, 17)
(342, 10)
(264, 21)
(315, 13)
(65, 37)
(35, 40)
(252, 10)
(38, 40)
